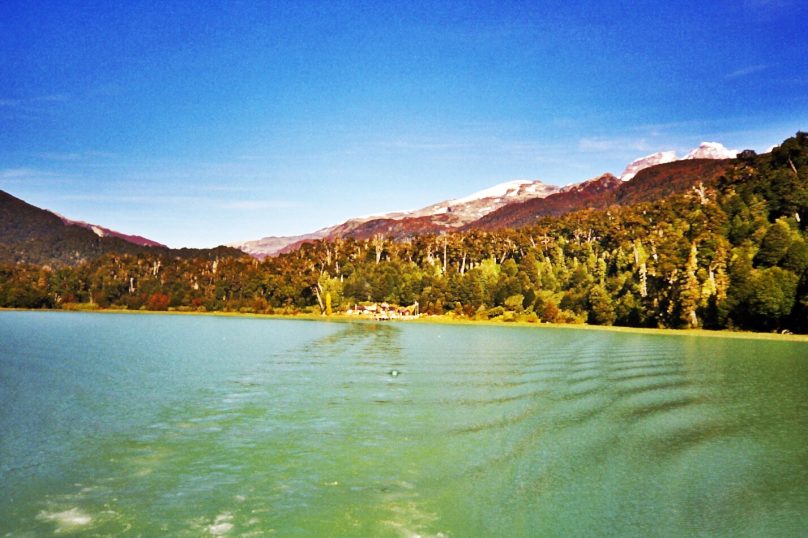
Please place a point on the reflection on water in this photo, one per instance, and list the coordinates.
(192, 426)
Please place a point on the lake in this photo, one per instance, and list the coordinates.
(160, 425)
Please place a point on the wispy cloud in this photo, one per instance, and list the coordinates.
(28, 175)
(224, 188)
(607, 144)
(255, 205)
(422, 145)
(745, 71)
(768, 4)
(172, 199)
(53, 98)
(73, 155)
(17, 173)
(58, 156)
(131, 199)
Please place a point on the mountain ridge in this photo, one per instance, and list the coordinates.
(101, 231)
(32, 235)
(473, 210)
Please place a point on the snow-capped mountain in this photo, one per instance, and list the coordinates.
(711, 150)
(445, 215)
(469, 208)
(706, 150)
(465, 212)
(636, 165)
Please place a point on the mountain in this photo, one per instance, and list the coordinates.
(731, 256)
(650, 184)
(268, 246)
(32, 235)
(595, 193)
(440, 217)
(642, 163)
(100, 231)
(706, 150)
(711, 150)
(512, 203)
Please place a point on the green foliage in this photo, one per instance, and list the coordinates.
(601, 310)
(733, 256)
(514, 303)
(775, 244)
(772, 296)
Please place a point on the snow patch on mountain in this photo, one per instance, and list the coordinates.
(636, 165)
(446, 214)
(706, 150)
(711, 150)
(459, 211)
(455, 213)
(463, 210)
(509, 188)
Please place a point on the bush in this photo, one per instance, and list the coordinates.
(158, 301)
(530, 317)
(80, 307)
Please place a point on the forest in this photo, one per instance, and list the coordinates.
(727, 254)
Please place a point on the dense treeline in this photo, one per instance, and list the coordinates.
(731, 253)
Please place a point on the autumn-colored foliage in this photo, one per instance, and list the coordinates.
(727, 252)
(158, 301)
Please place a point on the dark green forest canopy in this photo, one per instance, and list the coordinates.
(730, 252)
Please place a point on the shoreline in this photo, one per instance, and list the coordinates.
(445, 320)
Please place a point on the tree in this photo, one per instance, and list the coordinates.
(601, 309)
(796, 258)
(775, 244)
(514, 303)
(158, 301)
(772, 297)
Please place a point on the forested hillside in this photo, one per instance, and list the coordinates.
(30, 235)
(729, 251)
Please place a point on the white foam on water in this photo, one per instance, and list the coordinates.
(67, 520)
(221, 525)
(409, 519)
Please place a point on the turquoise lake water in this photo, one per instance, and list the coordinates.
(126, 425)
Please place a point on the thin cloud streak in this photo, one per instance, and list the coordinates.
(746, 71)
(604, 144)
(30, 175)
(255, 205)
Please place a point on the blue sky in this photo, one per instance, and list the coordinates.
(200, 123)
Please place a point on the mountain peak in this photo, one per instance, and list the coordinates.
(602, 182)
(711, 150)
(509, 188)
(660, 157)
